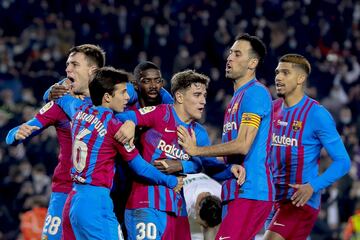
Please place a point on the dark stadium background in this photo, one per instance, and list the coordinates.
(36, 34)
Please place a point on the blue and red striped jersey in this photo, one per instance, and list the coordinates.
(160, 141)
(253, 98)
(94, 146)
(299, 133)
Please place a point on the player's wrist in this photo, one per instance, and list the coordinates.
(172, 181)
(313, 186)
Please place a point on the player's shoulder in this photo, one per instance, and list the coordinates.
(258, 90)
(318, 111)
(198, 127)
(200, 132)
(51, 108)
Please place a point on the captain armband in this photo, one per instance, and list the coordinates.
(250, 119)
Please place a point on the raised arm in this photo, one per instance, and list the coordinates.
(24, 131)
(48, 115)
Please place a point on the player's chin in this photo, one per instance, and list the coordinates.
(229, 75)
(280, 94)
(197, 115)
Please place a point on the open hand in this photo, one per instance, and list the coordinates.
(303, 193)
(187, 141)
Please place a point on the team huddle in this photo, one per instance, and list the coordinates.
(125, 133)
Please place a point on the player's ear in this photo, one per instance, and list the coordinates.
(107, 97)
(179, 97)
(253, 63)
(92, 69)
(301, 79)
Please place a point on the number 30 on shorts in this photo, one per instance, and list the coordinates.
(146, 231)
(52, 225)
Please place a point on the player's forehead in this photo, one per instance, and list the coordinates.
(197, 87)
(76, 57)
(120, 86)
(284, 66)
(241, 46)
(150, 73)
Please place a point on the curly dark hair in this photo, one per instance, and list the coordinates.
(210, 210)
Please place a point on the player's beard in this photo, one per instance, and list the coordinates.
(280, 95)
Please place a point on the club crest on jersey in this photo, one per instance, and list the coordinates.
(46, 107)
(296, 125)
(235, 108)
(146, 110)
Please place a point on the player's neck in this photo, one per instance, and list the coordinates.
(144, 103)
(293, 98)
(86, 93)
(182, 114)
(238, 83)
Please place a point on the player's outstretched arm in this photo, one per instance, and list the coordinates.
(241, 145)
(23, 131)
(151, 174)
(168, 166)
(171, 166)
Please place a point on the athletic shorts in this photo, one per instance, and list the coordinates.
(151, 224)
(67, 231)
(92, 214)
(243, 218)
(293, 222)
(53, 221)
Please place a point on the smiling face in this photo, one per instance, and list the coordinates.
(78, 71)
(150, 83)
(194, 100)
(288, 79)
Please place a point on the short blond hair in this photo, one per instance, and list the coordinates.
(298, 61)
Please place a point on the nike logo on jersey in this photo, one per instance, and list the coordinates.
(279, 224)
(222, 238)
(169, 131)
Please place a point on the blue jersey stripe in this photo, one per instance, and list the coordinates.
(151, 196)
(171, 193)
(162, 193)
(232, 188)
(105, 118)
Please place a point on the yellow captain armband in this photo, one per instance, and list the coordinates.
(251, 119)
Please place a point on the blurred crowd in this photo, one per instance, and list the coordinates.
(175, 34)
